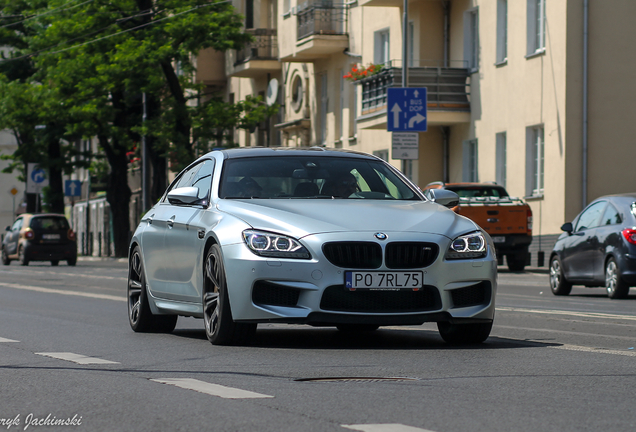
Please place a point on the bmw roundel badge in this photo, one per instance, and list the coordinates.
(380, 236)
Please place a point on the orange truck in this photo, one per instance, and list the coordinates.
(508, 220)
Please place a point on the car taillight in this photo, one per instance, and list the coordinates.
(29, 234)
(70, 234)
(529, 214)
(630, 235)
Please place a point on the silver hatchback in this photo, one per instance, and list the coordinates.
(308, 236)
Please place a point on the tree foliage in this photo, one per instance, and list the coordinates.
(80, 67)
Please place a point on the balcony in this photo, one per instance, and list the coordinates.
(258, 57)
(321, 30)
(448, 97)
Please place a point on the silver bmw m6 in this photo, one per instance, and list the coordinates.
(313, 236)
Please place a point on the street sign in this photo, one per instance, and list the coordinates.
(405, 145)
(13, 191)
(36, 178)
(72, 188)
(406, 109)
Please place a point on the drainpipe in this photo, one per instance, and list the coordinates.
(585, 97)
(446, 6)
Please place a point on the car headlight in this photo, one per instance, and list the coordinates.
(267, 244)
(468, 246)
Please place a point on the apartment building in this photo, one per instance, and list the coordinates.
(533, 94)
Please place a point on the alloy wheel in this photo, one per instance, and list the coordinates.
(611, 277)
(134, 287)
(211, 294)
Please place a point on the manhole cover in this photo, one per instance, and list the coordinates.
(355, 379)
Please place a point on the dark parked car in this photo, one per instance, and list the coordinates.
(598, 248)
(40, 237)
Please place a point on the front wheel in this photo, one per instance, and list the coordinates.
(558, 284)
(460, 334)
(614, 285)
(55, 263)
(220, 328)
(5, 257)
(516, 263)
(139, 314)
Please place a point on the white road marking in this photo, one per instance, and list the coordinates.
(64, 292)
(76, 358)
(629, 353)
(211, 389)
(569, 313)
(7, 340)
(387, 427)
(92, 276)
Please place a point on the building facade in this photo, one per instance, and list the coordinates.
(532, 94)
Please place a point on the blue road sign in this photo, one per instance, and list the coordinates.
(38, 175)
(72, 188)
(406, 109)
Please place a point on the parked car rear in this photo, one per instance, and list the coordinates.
(40, 237)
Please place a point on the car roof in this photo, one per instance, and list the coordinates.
(243, 152)
(467, 184)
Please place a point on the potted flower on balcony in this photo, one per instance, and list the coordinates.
(358, 73)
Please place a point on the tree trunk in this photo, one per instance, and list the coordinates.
(56, 186)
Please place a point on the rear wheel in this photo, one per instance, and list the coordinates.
(139, 314)
(516, 262)
(220, 328)
(55, 262)
(5, 258)
(71, 261)
(614, 285)
(22, 257)
(459, 334)
(558, 284)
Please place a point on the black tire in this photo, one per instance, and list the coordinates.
(558, 283)
(5, 258)
(220, 328)
(140, 316)
(614, 285)
(55, 262)
(516, 263)
(464, 334)
(24, 260)
(357, 327)
(71, 261)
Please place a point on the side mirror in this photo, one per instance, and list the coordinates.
(443, 197)
(567, 227)
(8, 228)
(184, 195)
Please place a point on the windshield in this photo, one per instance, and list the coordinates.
(312, 177)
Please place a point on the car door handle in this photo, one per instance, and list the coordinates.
(170, 222)
(149, 220)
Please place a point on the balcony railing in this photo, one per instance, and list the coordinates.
(447, 88)
(264, 47)
(322, 19)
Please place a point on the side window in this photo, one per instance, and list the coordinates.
(590, 218)
(17, 225)
(203, 180)
(185, 178)
(611, 216)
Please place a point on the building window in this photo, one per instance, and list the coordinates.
(536, 26)
(535, 151)
(502, 31)
(249, 14)
(500, 157)
(286, 7)
(324, 105)
(470, 161)
(471, 39)
(297, 93)
(381, 52)
(382, 154)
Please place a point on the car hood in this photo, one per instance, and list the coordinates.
(303, 217)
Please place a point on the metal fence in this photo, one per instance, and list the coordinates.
(322, 19)
(264, 47)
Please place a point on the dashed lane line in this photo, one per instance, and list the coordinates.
(63, 292)
(7, 340)
(76, 358)
(211, 389)
(569, 313)
(629, 353)
(386, 427)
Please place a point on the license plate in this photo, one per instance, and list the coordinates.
(51, 236)
(498, 239)
(384, 280)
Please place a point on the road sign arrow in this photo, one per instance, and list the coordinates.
(416, 93)
(38, 176)
(396, 115)
(417, 118)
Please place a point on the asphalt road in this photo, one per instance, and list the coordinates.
(551, 364)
